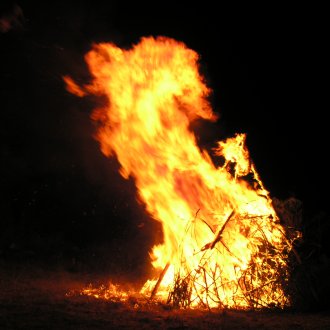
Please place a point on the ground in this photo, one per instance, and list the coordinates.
(39, 299)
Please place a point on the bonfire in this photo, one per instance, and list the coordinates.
(223, 244)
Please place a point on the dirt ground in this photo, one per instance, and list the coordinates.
(39, 300)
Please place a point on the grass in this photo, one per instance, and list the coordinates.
(34, 298)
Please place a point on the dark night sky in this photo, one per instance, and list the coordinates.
(266, 65)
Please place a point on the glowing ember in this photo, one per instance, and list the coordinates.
(110, 292)
(223, 244)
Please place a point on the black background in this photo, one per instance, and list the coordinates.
(62, 201)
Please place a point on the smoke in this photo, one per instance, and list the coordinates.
(13, 19)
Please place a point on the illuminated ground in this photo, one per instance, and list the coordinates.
(35, 299)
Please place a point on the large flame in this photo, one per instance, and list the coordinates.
(222, 241)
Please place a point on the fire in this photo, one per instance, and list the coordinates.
(223, 245)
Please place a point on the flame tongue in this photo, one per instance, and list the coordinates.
(222, 239)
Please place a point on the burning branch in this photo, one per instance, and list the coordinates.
(160, 278)
(218, 236)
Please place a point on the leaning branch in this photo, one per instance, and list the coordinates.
(160, 278)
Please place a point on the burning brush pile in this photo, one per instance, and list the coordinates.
(223, 244)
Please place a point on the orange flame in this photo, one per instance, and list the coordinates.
(223, 244)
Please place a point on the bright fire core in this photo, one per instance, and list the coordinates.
(223, 245)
